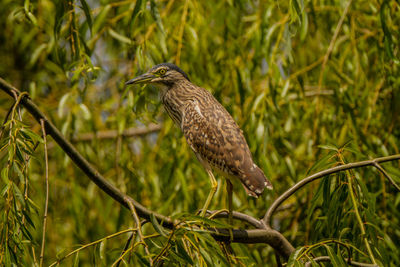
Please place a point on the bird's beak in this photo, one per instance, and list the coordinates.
(144, 78)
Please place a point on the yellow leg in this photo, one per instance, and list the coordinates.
(229, 188)
(214, 186)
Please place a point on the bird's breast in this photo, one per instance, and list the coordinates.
(173, 105)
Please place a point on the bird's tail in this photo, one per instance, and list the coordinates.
(255, 182)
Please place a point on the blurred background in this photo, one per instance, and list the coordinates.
(312, 84)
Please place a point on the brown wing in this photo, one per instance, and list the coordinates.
(215, 137)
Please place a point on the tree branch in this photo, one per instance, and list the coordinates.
(350, 262)
(269, 236)
(268, 215)
(379, 167)
(239, 216)
(112, 134)
(46, 160)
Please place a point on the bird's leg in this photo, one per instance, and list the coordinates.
(229, 188)
(214, 186)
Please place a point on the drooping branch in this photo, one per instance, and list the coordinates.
(266, 235)
(387, 176)
(46, 159)
(271, 210)
(350, 262)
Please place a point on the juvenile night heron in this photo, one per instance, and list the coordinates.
(209, 130)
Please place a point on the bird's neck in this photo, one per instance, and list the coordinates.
(175, 98)
(178, 93)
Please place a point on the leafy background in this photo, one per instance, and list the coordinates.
(313, 84)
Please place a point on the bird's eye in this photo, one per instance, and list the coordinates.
(162, 71)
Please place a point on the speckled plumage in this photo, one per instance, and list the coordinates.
(214, 136)
(209, 129)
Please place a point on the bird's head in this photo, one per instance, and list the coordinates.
(161, 75)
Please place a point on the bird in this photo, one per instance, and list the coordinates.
(209, 129)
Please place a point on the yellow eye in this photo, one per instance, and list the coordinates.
(162, 71)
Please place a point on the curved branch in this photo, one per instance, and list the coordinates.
(267, 235)
(379, 167)
(239, 216)
(268, 216)
(350, 262)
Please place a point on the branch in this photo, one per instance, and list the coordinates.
(350, 262)
(379, 167)
(268, 216)
(331, 46)
(112, 134)
(90, 244)
(46, 158)
(239, 216)
(267, 235)
(139, 227)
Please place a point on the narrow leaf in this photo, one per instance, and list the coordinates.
(159, 229)
(88, 16)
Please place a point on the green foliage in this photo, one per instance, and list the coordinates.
(16, 221)
(306, 98)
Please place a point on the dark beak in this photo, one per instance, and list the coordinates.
(145, 78)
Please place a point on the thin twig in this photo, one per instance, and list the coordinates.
(5, 120)
(34, 256)
(25, 170)
(323, 243)
(118, 147)
(91, 244)
(180, 34)
(306, 69)
(358, 216)
(124, 251)
(165, 248)
(350, 177)
(349, 261)
(379, 167)
(26, 185)
(332, 44)
(139, 227)
(123, 254)
(47, 192)
(112, 134)
(268, 215)
(326, 57)
(154, 24)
